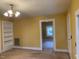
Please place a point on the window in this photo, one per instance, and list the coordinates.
(49, 30)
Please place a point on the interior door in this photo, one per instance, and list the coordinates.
(69, 34)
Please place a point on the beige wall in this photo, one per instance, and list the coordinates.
(74, 6)
(28, 30)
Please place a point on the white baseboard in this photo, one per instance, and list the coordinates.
(61, 50)
(35, 48)
(32, 48)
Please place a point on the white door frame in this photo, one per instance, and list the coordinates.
(47, 20)
(77, 30)
(69, 34)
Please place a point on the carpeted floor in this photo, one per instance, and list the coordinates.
(29, 54)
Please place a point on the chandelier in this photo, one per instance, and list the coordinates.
(11, 12)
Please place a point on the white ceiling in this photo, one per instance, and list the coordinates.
(36, 7)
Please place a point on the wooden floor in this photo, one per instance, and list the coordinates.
(29, 54)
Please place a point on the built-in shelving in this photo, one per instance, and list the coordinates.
(7, 35)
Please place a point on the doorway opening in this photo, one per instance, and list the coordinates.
(47, 35)
(77, 34)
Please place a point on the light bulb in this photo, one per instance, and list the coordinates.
(5, 14)
(17, 14)
(10, 11)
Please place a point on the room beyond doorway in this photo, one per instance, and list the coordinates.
(47, 35)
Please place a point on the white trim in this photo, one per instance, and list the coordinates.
(35, 48)
(69, 34)
(31, 48)
(61, 50)
(77, 12)
(47, 20)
